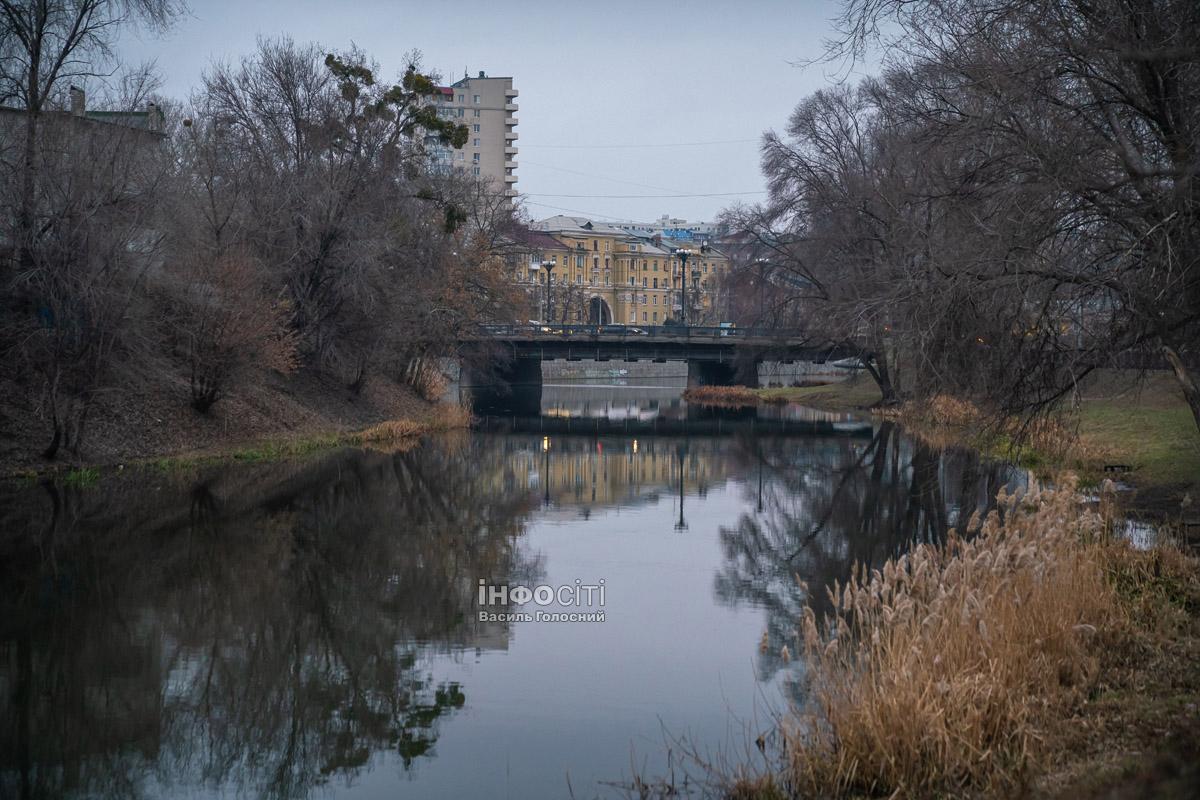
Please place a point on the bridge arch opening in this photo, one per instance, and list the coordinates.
(598, 312)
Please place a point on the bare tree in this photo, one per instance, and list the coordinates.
(1092, 109)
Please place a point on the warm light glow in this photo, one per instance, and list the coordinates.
(635, 445)
(545, 443)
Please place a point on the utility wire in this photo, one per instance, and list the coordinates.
(639, 196)
(601, 177)
(589, 214)
(633, 146)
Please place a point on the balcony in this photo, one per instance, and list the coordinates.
(510, 121)
(510, 164)
(510, 93)
(510, 178)
(510, 106)
(510, 192)
(510, 151)
(510, 136)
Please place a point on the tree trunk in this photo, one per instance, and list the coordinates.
(1186, 382)
(878, 369)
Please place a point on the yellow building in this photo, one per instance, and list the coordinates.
(611, 275)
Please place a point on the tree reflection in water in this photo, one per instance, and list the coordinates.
(821, 509)
(266, 628)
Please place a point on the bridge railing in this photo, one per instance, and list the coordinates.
(532, 331)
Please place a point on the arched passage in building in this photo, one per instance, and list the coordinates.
(598, 312)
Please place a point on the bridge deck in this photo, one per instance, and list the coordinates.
(656, 342)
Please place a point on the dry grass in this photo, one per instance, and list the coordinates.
(855, 393)
(443, 418)
(723, 396)
(935, 673)
(1052, 441)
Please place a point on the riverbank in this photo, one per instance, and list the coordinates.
(277, 416)
(1137, 429)
(1043, 658)
(1088, 685)
(856, 393)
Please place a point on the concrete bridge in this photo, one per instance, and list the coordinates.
(715, 356)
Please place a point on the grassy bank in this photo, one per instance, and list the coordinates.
(437, 418)
(854, 394)
(271, 416)
(1042, 657)
(1138, 431)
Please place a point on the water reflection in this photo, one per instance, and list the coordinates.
(819, 511)
(280, 629)
(263, 630)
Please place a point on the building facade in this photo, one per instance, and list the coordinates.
(488, 107)
(611, 275)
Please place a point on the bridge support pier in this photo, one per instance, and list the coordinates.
(515, 389)
(722, 373)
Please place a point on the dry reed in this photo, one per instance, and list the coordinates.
(932, 675)
(443, 418)
(725, 396)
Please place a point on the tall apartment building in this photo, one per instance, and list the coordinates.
(488, 107)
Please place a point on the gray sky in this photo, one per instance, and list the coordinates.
(590, 76)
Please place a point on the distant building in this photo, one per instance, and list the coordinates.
(675, 228)
(148, 122)
(488, 107)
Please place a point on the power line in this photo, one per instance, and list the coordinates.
(575, 211)
(593, 175)
(639, 196)
(633, 146)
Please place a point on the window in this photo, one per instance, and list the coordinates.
(462, 156)
(462, 111)
(462, 97)
(606, 245)
(595, 245)
(475, 170)
(475, 157)
(475, 113)
(655, 299)
(631, 283)
(476, 141)
(656, 283)
(656, 316)
(656, 266)
(595, 262)
(643, 281)
(643, 316)
(476, 100)
(579, 262)
(475, 127)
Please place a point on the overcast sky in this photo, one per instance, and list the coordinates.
(608, 90)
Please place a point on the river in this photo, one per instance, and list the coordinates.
(312, 628)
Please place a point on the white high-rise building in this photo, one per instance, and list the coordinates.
(488, 107)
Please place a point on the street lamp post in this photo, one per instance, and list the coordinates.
(549, 267)
(683, 259)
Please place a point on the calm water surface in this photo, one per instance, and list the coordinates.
(310, 628)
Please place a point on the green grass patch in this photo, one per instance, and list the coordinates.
(1161, 444)
(83, 476)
